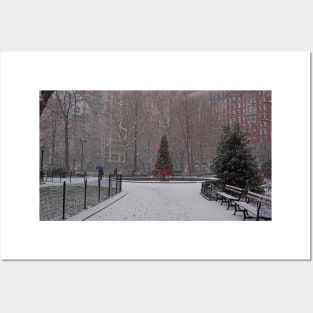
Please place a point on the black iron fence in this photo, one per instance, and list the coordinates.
(209, 188)
(58, 176)
(65, 200)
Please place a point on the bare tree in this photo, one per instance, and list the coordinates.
(186, 122)
(131, 125)
(63, 105)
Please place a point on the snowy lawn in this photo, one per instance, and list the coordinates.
(51, 197)
(164, 201)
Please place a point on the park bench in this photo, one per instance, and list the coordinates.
(256, 206)
(229, 195)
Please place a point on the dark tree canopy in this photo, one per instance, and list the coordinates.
(234, 163)
(163, 166)
(44, 96)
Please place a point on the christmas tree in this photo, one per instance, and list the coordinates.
(234, 162)
(163, 166)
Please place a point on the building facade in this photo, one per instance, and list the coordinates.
(252, 110)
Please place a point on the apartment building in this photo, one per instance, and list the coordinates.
(252, 110)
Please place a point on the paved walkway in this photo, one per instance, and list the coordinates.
(159, 201)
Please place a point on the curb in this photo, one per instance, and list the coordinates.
(83, 216)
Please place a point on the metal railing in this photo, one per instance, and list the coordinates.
(52, 177)
(65, 200)
(209, 188)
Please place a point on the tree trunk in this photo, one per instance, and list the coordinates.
(188, 141)
(135, 129)
(53, 137)
(66, 146)
(126, 161)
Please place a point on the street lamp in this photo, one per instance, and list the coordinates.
(42, 148)
(81, 161)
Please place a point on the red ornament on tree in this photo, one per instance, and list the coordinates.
(164, 172)
(159, 148)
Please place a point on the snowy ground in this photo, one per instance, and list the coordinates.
(161, 201)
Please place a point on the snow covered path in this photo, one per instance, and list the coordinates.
(164, 201)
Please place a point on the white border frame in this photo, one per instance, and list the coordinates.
(23, 74)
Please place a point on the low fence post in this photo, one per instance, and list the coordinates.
(99, 182)
(116, 182)
(64, 186)
(121, 178)
(85, 193)
(109, 185)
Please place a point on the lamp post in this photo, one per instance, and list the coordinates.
(42, 148)
(81, 161)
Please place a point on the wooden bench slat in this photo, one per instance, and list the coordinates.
(261, 205)
(226, 195)
(262, 197)
(229, 198)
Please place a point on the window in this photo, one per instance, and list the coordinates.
(114, 157)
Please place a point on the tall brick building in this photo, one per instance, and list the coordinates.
(252, 110)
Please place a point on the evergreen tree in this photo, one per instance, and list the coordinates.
(234, 163)
(163, 166)
(267, 169)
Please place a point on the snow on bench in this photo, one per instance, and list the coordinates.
(230, 194)
(256, 206)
